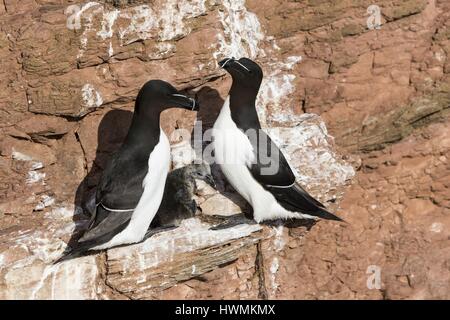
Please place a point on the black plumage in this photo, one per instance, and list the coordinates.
(247, 77)
(121, 185)
(177, 204)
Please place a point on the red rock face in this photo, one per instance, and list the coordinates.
(69, 76)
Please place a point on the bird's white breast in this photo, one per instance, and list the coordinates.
(234, 153)
(231, 145)
(148, 205)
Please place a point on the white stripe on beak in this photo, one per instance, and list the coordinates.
(241, 65)
(225, 63)
(179, 95)
(194, 103)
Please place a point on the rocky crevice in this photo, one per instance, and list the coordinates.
(103, 263)
(259, 272)
(77, 137)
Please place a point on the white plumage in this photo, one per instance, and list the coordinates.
(234, 153)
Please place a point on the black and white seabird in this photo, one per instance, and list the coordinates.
(132, 185)
(247, 155)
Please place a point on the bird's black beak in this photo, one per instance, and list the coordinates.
(232, 63)
(226, 62)
(210, 180)
(180, 100)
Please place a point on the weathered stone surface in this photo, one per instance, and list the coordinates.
(69, 75)
(166, 259)
(26, 261)
(223, 204)
(309, 150)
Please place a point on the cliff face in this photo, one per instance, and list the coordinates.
(70, 71)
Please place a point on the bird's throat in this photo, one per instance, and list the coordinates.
(144, 131)
(242, 108)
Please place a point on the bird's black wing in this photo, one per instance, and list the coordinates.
(273, 172)
(296, 199)
(107, 225)
(102, 233)
(270, 166)
(118, 193)
(120, 186)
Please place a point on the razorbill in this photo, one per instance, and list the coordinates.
(249, 159)
(131, 187)
(178, 201)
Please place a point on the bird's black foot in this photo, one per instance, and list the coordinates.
(151, 232)
(232, 221)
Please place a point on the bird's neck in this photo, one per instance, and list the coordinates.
(242, 107)
(144, 132)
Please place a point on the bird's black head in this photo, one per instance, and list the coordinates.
(245, 72)
(157, 95)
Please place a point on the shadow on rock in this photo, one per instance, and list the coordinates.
(291, 223)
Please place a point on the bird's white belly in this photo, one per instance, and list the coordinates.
(148, 205)
(234, 152)
(264, 204)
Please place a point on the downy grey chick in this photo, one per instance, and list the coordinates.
(178, 203)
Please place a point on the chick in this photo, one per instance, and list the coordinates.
(178, 203)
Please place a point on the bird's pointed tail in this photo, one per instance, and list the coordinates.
(324, 214)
